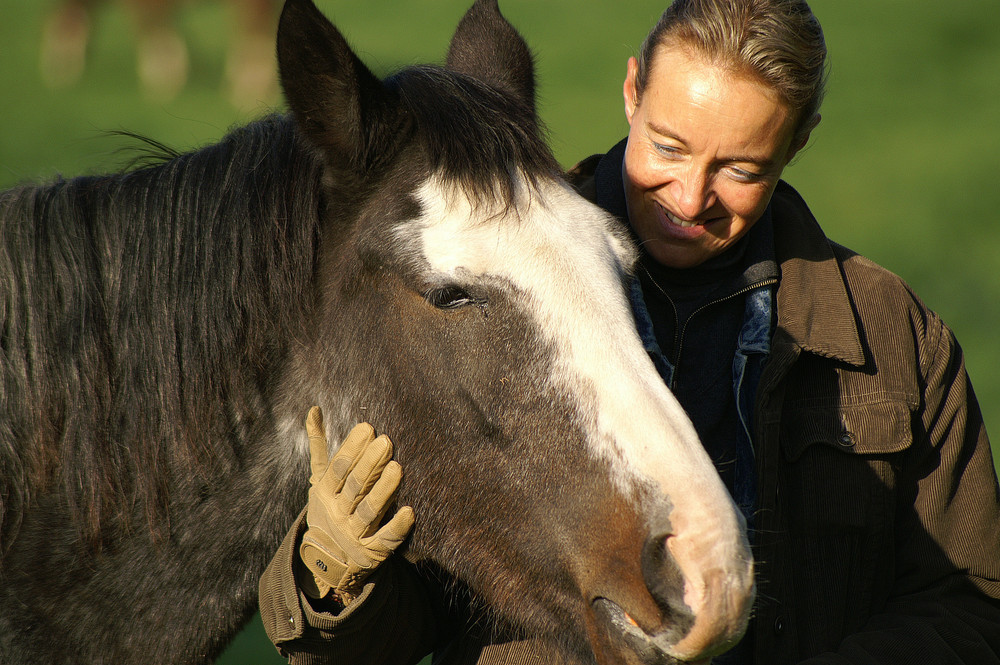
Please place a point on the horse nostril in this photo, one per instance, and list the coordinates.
(704, 584)
(665, 582)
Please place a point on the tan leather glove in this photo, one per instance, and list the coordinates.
(348, 498)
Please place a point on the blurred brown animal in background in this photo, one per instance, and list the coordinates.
(162, 60)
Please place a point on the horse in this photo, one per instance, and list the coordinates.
(404, 251)
(162, 60)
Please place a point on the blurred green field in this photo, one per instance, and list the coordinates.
(901, 169)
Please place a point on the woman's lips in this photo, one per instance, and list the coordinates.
(675, 227)
(679, 222)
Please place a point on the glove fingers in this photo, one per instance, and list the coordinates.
(364, 554)
(395, 531)
(366, 471)
(373, 507)
(347, 457)
(319, 456)
(348, 547)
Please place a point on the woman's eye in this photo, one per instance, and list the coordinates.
(744, 176)
(449, 297)
(667, 150)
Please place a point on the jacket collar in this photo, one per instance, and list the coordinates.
(814, 309)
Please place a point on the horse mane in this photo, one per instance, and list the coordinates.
(483, 139)
(132, 303)
(140, 309)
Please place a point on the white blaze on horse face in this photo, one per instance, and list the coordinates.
(568, 258)
(565, 255)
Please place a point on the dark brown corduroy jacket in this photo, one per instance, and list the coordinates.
(878, 528)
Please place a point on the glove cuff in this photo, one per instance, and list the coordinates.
(317, 553)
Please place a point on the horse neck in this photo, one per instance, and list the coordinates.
(150, 311)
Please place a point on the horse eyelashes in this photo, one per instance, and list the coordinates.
(452, 297)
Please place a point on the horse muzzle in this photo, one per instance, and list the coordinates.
(702, 609)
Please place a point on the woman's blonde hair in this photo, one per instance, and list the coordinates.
(779, 42)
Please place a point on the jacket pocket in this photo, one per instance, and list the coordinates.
(838, 499)
(878, 428)
(840, 464)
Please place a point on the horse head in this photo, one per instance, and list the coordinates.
(471, 305)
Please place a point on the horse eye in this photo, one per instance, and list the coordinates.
(449, 297)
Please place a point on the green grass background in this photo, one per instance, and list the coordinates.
(903, 168)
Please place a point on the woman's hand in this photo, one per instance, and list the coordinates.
(348, 498)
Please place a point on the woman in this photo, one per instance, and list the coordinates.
(850, 435)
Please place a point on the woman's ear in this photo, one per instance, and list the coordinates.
(629, 89)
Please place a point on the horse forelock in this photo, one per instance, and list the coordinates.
(132, 303)
(476, 136)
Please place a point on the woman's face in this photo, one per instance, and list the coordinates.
(705, 150)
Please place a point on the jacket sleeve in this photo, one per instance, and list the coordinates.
(945, 601)
(394, 620)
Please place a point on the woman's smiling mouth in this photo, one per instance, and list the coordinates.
(674, 226)
(679, 222)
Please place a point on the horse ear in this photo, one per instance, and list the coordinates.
(336, 100)
(487, 47)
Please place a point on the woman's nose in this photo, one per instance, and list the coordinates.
(693, 193)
